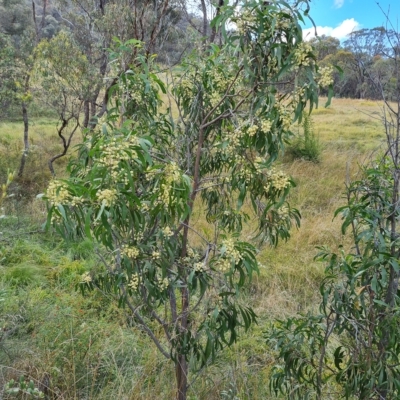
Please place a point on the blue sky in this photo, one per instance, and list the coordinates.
(340, 17)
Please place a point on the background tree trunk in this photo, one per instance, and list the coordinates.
(26, 140)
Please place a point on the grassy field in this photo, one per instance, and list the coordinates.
(84, 345)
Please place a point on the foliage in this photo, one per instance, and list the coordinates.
(365, 61)
(60, 71)
(137, 180)
(351, 348)
(13, 69)
(15, 17)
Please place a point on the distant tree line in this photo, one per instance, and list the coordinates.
(366, 57)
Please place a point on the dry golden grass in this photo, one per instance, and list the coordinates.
(350, 131)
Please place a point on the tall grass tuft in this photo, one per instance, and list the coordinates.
(306, 146)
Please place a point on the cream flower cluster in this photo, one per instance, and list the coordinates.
(277, 180)
(191, 253)
(56, 218)
(252, 130)
(286, 119)
(114, 152)
(163, 284)
(325, 76)
(172, 174)
(136, 95)
(266, 125)
(133, 90)
(167, 232)
(107, 196)
(215, 98)
(283, 211)
(75, 201)
(234, 138)
(138, 236)
(285, 115)
(232, 255)
(57, 193)
(220, 80)
(134, 282)
(272, 64)
(186, 87)
(130, 251)
(298, 92)
(283, 23)
(224, 264)
(245, 21)
(200, 267)
(187, 84)
(301, 54)
(245, 174)
(144, 207)
(86, 278)
(220, 83)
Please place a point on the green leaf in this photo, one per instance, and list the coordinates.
(338, 357)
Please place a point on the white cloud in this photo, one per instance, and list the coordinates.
(340, 32)
(339, 3)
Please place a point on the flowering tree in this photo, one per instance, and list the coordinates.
(150, 167)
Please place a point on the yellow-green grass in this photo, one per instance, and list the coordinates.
(349, 123)
(44, 144)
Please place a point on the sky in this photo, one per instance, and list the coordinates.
(340, 17)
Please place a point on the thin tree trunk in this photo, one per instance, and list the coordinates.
(86, 112)
(214, 28)
(205, 21)
(66, 143)
(34, 20)
(92, 108)
(181, 377)
(43, 22)
(26, 140)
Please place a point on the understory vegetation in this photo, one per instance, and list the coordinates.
(184, 214)
(86, 344)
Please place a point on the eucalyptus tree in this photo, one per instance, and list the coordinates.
(95, 24)
(62, 78)
(150, 166)
(324, 46)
